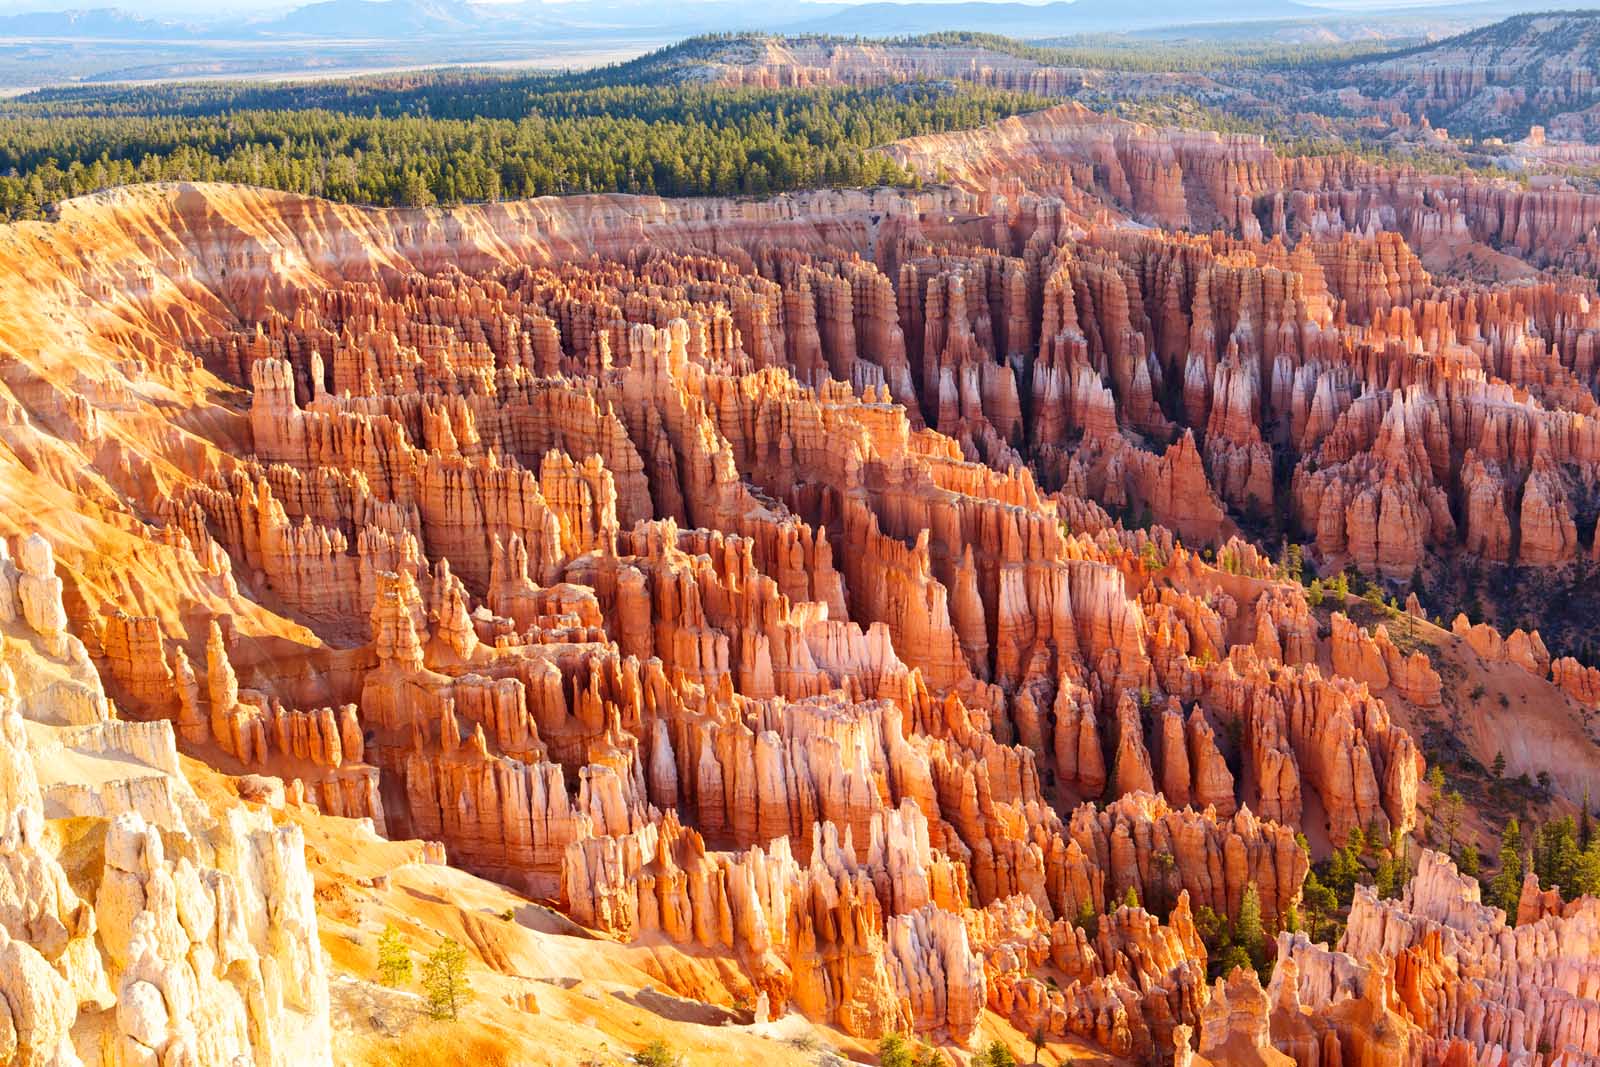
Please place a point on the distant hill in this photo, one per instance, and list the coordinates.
(386, 18)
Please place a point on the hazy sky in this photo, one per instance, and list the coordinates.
(204, 8)
(190, 7)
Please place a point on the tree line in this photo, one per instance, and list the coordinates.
(684, 140)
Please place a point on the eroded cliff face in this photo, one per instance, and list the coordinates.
(772, 62)
(764, 578)
(1490, 80)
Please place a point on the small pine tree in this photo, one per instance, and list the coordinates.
(1233, 958)
(1087, 920)
(1037, 1039)
(1454, 805)
(1468, 861)
(1320, 901)
(1248, 932)
(394, 958)
(1585, 828)
(444, 980)
(1344, 868)
(1385, 879)
(1586, 872)
(1506, 888)
(1498, 768)
(1130, 899)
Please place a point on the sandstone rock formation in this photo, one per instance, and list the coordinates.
(852, 587)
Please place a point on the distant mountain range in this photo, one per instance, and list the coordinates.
(96, 24)
(458, 19)
(343, 36)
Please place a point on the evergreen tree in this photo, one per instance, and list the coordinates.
(1453, 808)
(1248, 931)
(1233, 957)
(1386, 879)
(1343, 871)
(444, 980)
(1506, 888)
(1556, 854)
(1585, 829)
(1087, 920)
(394, 958)
(1586, 872)
(1320, 902)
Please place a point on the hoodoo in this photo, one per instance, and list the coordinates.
(969, 611)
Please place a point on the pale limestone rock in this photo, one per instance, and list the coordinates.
(40, 591)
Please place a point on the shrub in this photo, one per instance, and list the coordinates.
(995, 1055)
(657, 1054)
(892, 1052)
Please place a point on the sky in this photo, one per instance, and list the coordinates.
(213, 8)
